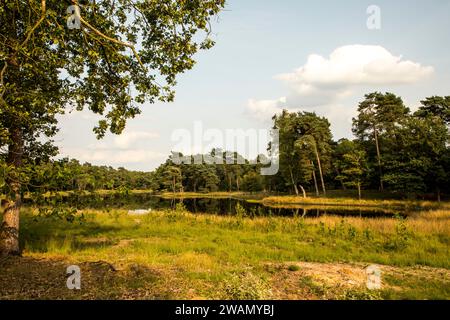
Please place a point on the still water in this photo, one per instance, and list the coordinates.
(220, 206)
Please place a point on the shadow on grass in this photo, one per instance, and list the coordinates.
(42, 234)
(40, 279)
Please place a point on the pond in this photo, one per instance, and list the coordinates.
(143, 203)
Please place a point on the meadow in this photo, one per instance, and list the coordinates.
(173, 254)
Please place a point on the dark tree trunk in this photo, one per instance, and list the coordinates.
(9, 230)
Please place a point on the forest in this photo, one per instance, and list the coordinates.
(395, 150)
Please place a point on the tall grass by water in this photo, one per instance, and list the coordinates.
(205, 254)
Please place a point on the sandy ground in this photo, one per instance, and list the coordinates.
(35, 278)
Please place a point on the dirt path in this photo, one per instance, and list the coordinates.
(305, 280)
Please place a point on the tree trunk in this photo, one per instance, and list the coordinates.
(320, 169)
(9, 233)
(293, 182)
(359, 191)
(9, 230)
(303, 191)
(380, 170)
(438, 194)
(315, 179)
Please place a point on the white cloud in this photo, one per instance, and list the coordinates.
(331, 86)
(126, 139)
(133, 149)
(323, 80)
(264, 110)
(111, 156)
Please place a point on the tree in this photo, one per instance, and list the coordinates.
(173, 179)
(417, 161)
(210, 180)
(377, 116)
(46, 68)
(304, 137)
(292, 161)
(252, 182)
(309, 139)
(435, 106)
(353, 169)
(314, 134)
(343, 146)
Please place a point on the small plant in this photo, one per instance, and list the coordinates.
(368, 234)
(240, 211)
(180, 208)
(401, 233)
(352, 232)
(322, 228)
(340, 229)
(293, 268)
(123, 191)
(177, 212)
(252, 212)
(360, 294)
(300, 224)
(271, 224)
(401, 230)
(246, 286)
(115, 215)
(261, 212)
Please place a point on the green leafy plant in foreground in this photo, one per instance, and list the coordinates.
(245, 286)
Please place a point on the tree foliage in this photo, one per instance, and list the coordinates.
(124, 53)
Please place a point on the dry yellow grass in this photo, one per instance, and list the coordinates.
(292, 200)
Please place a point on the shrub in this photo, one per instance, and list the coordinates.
(245, 286)
(240, 211)
(293, 268)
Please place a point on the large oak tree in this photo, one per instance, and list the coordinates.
(125, 53)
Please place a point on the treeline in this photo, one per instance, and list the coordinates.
(395, 150)
(71, 175)
(234, 173)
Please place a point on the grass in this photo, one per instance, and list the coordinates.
(174, 254)
(411, 205)
(218, 195)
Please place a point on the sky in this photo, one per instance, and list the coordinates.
(271, 55)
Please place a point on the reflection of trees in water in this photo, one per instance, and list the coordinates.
(222, 206)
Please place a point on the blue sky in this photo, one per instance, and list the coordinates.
(256, 69)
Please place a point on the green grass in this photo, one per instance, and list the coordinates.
(411, 205)
(163, 234)
(206, 254)
(415, 287)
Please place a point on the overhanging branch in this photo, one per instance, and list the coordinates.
(36, 25)
(125, 44)
(2, 84)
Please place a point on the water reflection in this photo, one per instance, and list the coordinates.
(220, 206)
